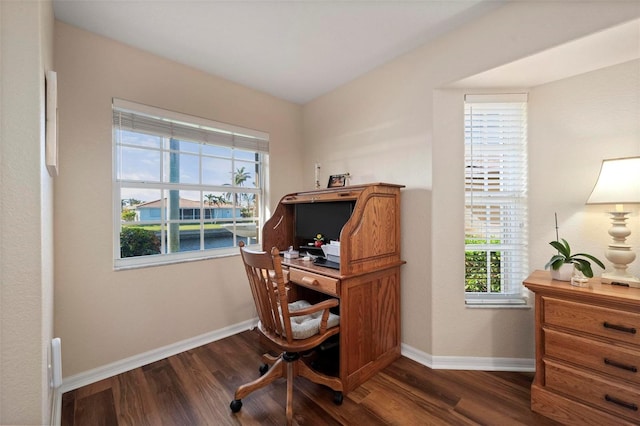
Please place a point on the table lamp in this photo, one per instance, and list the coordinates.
(619, 184)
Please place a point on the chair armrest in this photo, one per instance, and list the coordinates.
(325, 304)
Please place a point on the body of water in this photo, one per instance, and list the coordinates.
(217, 238)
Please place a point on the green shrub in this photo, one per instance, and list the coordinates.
(128, 215)
(475, 263)
(138, 242)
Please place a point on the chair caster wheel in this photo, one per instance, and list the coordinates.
(263, 369)
(337, 398)
(235, 405)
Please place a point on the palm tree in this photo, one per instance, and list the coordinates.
(212, 199)
(239, 178)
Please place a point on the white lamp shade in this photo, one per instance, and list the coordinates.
(618, 182)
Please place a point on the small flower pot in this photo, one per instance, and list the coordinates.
(564, 273)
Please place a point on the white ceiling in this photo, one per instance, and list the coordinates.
(300, 49)
(295, 50)
(613, 46)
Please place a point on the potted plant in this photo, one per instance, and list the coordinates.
(563, 263)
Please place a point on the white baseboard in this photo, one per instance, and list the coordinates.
(468, 363)
(435, 362)
(91, 376)
(416, 355)
(432, 361)
(56, 408)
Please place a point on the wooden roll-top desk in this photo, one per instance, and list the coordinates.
(368, 281)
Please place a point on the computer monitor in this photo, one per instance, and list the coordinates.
(321, 218)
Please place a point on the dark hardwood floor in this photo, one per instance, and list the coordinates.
(196, 387)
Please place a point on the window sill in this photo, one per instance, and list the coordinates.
(187, 257)
(497, 304)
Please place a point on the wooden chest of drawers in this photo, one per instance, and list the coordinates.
(587, 352)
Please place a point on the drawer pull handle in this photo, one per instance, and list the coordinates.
(310, 281)
(631, 330)
(620, 365)
(629, 405)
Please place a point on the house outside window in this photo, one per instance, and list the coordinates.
(496, 236)
(184, 187)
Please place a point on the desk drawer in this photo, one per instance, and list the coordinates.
(623, 362)
(610, 323)
(315, 281)
(613, 397)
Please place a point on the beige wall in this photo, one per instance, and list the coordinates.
(394, 125)
(105, 316)
(575, 124)
(26, 223)
(381, 127)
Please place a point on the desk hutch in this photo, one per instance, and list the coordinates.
(368, 281)
(587, 352)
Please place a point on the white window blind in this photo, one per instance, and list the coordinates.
(154, 121)
(495, 198)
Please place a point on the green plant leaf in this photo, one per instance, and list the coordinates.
(563, 249)
(555, 262)
(581, 260)
(593, 258)
(584, 266)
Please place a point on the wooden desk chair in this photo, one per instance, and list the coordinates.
(292, 327)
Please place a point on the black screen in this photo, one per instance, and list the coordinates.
(322, 218)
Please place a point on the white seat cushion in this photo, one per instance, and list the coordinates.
(306, 326)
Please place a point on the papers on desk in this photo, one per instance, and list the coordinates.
(332, 251)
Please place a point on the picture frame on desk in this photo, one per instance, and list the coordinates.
(336, 181)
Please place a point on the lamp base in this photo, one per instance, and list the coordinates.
(625, 281)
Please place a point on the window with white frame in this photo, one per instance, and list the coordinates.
(184, 187)
(496, 236)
